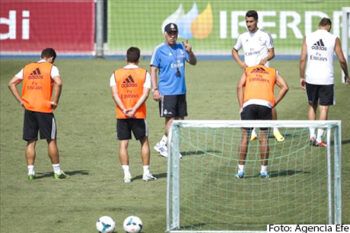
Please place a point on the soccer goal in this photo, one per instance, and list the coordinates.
(203, 194)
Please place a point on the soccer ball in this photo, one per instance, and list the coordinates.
(132, 224)
(105, 224)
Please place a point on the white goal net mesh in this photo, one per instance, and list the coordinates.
(205, 195)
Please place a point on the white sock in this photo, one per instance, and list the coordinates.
(126, 169)
(263, 168)
(312, 132)
(31, 170)
(56, 168)
(240, 167)
(275, 129)
(319, 135)
(146, 169)
(254, 132)
(164, 140)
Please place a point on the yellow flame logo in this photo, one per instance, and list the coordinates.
(202, 26)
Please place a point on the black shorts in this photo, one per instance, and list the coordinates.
(256, 112)
(137, 126)
(173, 106)
(35, 122)
(320, 94)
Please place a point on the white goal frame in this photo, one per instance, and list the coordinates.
(173, 177)
(345, 34)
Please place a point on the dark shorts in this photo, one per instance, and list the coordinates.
(173, 106)
(35, 122)
(320, 94)
(256, 112)
(137, 126)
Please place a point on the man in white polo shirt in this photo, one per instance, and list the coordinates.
(318, 79)
(258, 49)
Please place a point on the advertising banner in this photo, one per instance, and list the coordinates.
(212, 27)
(30, 25)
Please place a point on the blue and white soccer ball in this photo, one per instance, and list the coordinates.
(132, 224)
(105, 224)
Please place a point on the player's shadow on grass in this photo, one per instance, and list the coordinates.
(158, 176)
(199, 152)
(41, 175)
(286, 173)
(346, 141)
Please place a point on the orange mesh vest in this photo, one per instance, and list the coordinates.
(37, 87)
(130, 89)
(260, 83)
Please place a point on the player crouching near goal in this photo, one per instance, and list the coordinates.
(130, 89)
(255, 94)
(41, 91)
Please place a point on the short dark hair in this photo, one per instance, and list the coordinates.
(133, 54)
(325, 22)
(252, 13)
(48, 52)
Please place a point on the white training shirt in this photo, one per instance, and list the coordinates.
(255, 46)
(54, 71)
(147, 83)
(320, 48)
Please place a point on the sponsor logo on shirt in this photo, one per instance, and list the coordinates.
(319, 45)
(36, 74)
(129, 82)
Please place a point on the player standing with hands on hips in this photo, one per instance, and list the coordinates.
(318, 79)
(41, 91)
(258, 49)
(168, 80)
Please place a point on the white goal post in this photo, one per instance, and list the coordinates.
(205, 144)
(345, 34)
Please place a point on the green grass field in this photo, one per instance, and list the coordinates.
(88, 149)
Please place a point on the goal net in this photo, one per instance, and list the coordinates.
(203, 194)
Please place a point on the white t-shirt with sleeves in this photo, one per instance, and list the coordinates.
(54, 71)
(255, 46)
(147, 83)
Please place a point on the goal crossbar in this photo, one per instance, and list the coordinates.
(254, 123)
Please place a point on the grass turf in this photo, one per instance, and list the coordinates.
(88, 149)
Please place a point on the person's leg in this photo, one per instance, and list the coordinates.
(123, 152)
(326, 94)
(145, 155)
(323, 116)
(30, 155)
(30, 135)
(145, 152)
(124, 159)
(55, 159)
(124, 135)
(53, 151)
(264, 152)
(312, 92)
(243, 149)
(312, 109)
(279, 137)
